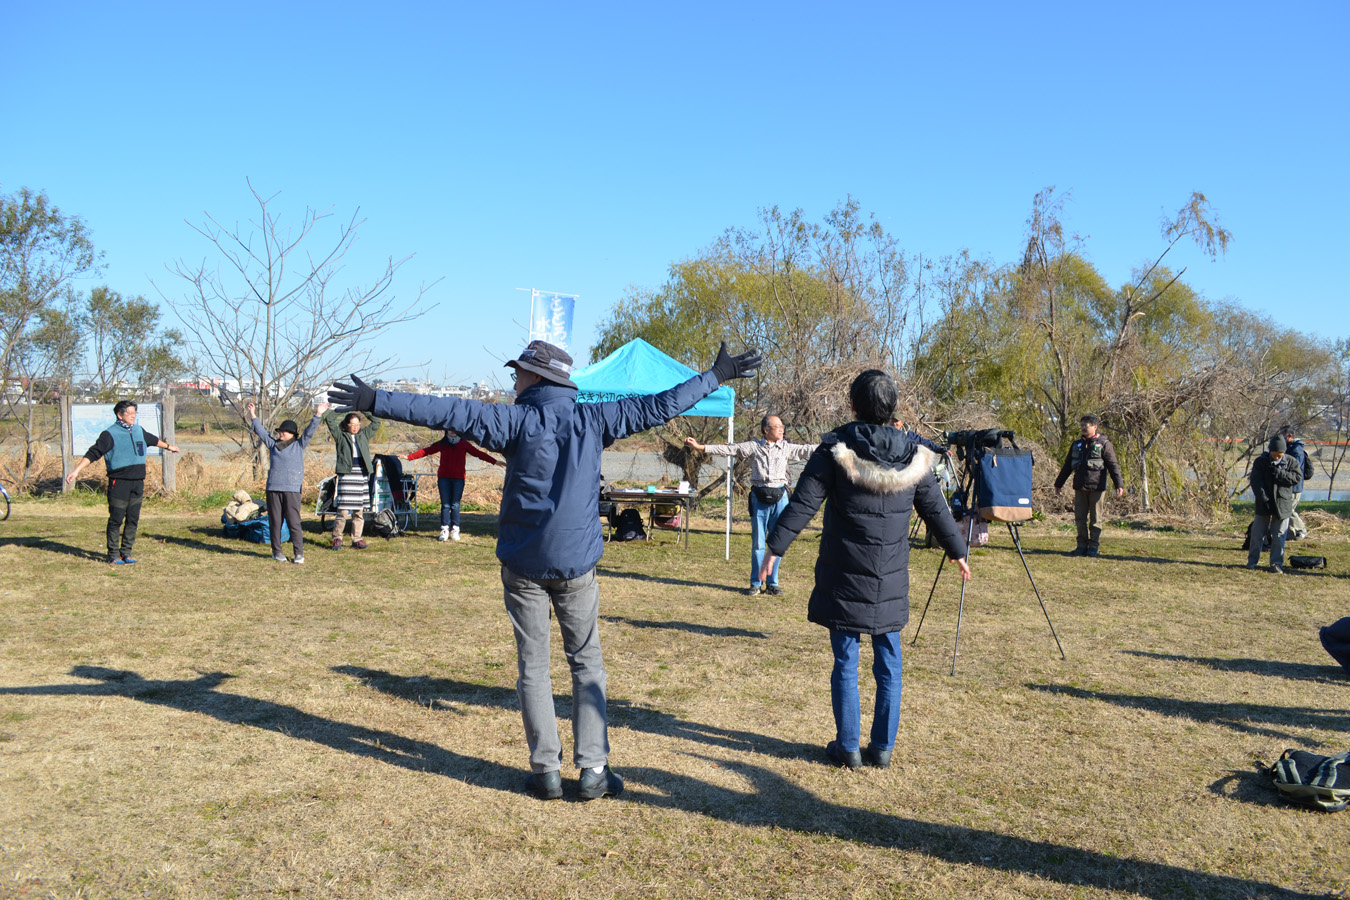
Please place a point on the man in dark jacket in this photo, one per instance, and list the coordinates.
(873, 475)
(1297, 529)
(549, 538)
(122, 446)
(1090, 460)
(1273, 477)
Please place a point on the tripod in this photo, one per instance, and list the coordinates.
(1015, 533)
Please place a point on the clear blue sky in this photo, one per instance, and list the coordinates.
(584, 148)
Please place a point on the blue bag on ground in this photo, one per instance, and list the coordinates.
(255, 530)
(1336, 640)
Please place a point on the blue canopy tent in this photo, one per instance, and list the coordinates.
(638, 369)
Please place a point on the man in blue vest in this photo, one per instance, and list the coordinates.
(122, 446)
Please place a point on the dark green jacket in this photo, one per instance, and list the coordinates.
(343, 444)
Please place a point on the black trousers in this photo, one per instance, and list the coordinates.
(124, 514)
(287, 504)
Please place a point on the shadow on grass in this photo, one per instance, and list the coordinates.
(445, 692)
(1278, 669)
(771, 799)
(1248, 718)
(39, 543)
(200, 695)
(691, 627)
(654, 579)
(215, 542)
(776, 802)
(1247, 786)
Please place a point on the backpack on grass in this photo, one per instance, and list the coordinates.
(628, 526)
(1309, 779)
(385, 524)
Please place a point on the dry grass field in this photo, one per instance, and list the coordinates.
(212, 724)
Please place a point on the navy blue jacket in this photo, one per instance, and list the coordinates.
(1305, 468)
(549, 526)
(873, 477)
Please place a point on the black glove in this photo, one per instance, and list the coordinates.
(355, 397)
(728, 367)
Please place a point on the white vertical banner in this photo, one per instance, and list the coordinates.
(551, 317)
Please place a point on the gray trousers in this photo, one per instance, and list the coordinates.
(1297, 529)
(576, 602)
(1088, 510)
(1277, 528)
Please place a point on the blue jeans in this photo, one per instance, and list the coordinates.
(452, 489)
(577, 604)
(762, 520)
(1278, 529)
(886, 666)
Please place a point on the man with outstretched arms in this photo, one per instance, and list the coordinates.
(549, 537)
(122, 446)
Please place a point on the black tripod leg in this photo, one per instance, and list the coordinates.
(961, 607)
(1018, 544)
(930, 600)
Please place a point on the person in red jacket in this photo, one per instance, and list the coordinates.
(450, 477)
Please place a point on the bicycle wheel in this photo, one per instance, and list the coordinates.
(4, 504)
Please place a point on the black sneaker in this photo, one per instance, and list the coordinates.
(1078, 551)
(1091, 551)
(754, 591)
(1277, 570)
(545, 785)
(592, 786)
(849, 759)
(773, 589)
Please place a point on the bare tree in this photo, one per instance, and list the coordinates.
(1336, 415)
(272, 316)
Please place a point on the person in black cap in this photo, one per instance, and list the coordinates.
(285, 477)
(1273, 477)
(549, 537)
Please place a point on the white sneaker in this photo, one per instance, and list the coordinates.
(454, 533)
(445, 534)
(299, 560)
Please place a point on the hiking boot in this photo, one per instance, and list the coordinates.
(1276, 570)
(337, 543)
(1092, 552)
(454, 533)
(445, 533)
(592, 786)
(754, 591)
(879, 758)
(773, 590)
(299, 560)
(1078, 551)
(359, 545)
(545, 785)
(848, 759)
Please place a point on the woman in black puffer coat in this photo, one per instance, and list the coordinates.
(874, 476)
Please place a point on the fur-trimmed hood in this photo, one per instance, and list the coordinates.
(880, 459)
